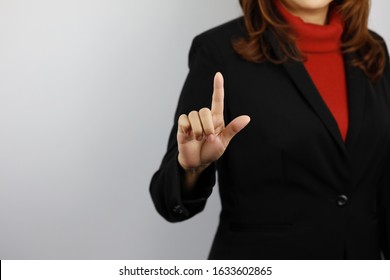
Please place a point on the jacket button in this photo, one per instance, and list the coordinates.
(178, 209)
(341, 200)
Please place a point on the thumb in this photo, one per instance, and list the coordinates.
(234, 127)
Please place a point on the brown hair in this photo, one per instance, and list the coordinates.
(261, 15)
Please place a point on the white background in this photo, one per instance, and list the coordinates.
(88, 90)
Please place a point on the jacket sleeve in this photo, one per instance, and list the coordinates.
(166, 187)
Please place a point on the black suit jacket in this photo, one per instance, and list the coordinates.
(290, 187)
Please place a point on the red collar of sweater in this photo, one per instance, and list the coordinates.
(314, 38)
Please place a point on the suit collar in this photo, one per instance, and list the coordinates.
(302, 80)
(356, 86)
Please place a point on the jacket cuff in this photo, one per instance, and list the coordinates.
(194, 202)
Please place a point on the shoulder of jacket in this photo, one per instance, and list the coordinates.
(221, 34)
(376, 35)
(381, 41)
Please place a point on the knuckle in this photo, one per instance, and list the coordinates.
(193, 114)
(204, 111)
(182, 118)
(183, 124)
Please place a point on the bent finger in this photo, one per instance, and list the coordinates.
(196, 125)
(207, 121)
(184, 125)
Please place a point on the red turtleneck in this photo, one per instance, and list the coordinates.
(321, 44)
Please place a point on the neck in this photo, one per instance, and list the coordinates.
(314, 16)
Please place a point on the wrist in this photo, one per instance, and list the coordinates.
(190, 174)
(192, 170)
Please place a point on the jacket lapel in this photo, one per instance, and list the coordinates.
(356, 87)
(304, 83)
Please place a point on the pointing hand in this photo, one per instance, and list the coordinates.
(202, 136)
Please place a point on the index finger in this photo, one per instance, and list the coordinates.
(218, 95)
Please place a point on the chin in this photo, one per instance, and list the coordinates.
(307, 4)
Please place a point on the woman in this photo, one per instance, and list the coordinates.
(307, 100)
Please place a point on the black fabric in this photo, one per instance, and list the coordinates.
(290, 187)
